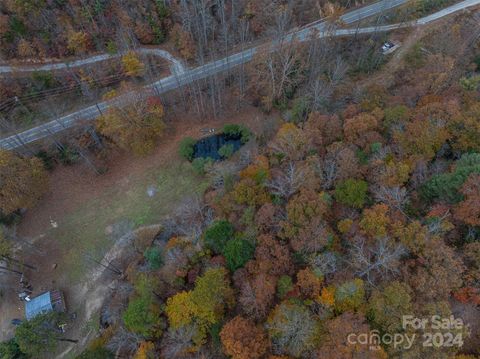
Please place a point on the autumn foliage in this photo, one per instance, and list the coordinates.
(242, 339)
(135, 127)
(349, 205)
(23, 181)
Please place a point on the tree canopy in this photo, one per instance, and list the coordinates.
(40, 334)
(134, 127)
(22, 181)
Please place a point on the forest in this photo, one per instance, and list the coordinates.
(342, 199)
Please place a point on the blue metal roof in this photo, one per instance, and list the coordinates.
(38, 305)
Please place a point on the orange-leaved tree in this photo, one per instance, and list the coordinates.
(468, 211)
(242, 339)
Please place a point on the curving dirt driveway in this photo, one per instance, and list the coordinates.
(177, 80)
(177, 67)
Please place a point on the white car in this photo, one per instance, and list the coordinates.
(386, 47)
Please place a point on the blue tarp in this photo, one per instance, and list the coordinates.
(38, 305)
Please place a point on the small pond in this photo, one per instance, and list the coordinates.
(209, 146)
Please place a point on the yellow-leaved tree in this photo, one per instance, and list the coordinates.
(135, 127)
(78, 42)
(146, 350)
(132, 66)
(203, 306)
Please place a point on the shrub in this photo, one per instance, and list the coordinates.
(299, 110)
(424, 7)
(477, 62)
(17, 27)
(142, 316)
(375, 147)
(284, 285)
(154, 258)
(237, 252)
(47, 159)
(111, 47)
(43, 80)
(186, 148)
(162, 10)
(10, 349)
(395, 115)
(68, 155)
(415, 57)
(159, 35)
(352, 192)
(143, 313)
(350, 295)
(200, 163)
(217, 235)
(370, 61)
(237, 131)
(98, 7)
(132, 66)
(344, 225)
(470, 83)
(362, 157)
(226, 151)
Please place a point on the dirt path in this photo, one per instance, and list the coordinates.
(386, 75)
(100, 285)
(70, 188)
(176, 65)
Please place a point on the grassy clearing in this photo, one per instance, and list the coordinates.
(83, 232)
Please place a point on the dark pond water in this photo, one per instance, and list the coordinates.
(209, 146)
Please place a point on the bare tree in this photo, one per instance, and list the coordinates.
(123, 340)
(395, 197)
(379, 261)
(319, 93)
(190, 219)
(436, 225)
(277, 70)
(282, 21)
(329, 171)
(324, 263)
(337, 71)
(288, 181)
(220, 171)
(295, 328)
(177, 342)
(339, 164)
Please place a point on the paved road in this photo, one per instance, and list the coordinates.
(179, 79)
(176, 65)
(447, 11)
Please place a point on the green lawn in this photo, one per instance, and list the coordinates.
(84, 231)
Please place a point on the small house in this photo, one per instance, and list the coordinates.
(45, 303)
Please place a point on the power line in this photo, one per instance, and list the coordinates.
(66, 87)
(69, 88)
